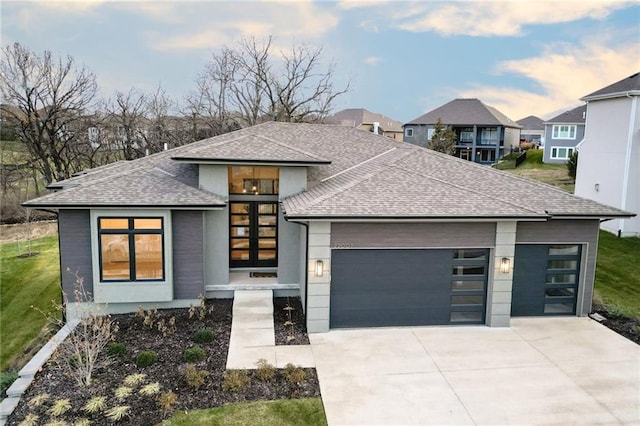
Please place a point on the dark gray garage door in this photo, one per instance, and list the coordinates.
(407, 287)
(545, 279)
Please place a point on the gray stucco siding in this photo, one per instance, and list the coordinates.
(74, 227)
(413, 235)
(584, 232)
(419, 137)
(188, 254)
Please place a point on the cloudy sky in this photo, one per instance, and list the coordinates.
(402, 58)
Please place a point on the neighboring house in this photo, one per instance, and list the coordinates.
(367, 231)
(609, 160)
(532, 130)
(562, 133)
(483, 134)
(368, 121)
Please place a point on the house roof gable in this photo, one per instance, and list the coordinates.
(574, 116)
(531, 122)
(460, 112)
(357, 116)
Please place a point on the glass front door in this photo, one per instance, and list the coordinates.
(253, 234)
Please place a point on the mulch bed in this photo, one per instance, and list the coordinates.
(626, 326)
(167, 371)
(289, 321)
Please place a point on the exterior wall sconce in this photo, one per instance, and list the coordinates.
(596, 187)
(319, 268)
(505, 265)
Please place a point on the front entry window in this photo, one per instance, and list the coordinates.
(131, 249)
(253, 180)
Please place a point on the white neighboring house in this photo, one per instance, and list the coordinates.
(609, 157)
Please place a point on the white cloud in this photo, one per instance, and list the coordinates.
(564, 72)
(373, 60)
(485, 18)
(289, 20)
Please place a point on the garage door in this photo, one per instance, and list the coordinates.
(380, 287)
(545, 280)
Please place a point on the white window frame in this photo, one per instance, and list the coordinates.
(408, 132)
(555, 152)
(564, 131)
(132, 291)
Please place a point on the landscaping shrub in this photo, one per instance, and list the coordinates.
(235, 380)
(116, 349)
(194, 377)
(204, 335)
(194, 354)
(294, 375)
(265, 371)
(146, 358)
(167, 400)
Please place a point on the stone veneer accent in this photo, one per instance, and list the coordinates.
(319, 288)
(500, 287)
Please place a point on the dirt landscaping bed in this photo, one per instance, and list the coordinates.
(289, 321)
(624, 325)
(168, 372)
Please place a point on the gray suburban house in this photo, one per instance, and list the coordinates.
(562, 133)
(483, 134)
(532, 130)
(367, 231)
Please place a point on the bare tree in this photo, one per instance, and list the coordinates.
(49, 96)
(248, 84)
(126, 117)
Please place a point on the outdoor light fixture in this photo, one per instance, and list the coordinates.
(505, 265)
(319, 267)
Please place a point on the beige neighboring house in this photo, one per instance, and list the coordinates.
(368, 121)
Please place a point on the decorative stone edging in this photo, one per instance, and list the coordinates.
(28, 372)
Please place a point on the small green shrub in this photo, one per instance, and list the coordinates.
(294, 375)
(116, 349)
(150, 389)
(265, 371)
(134, 379)
(6, 380)
(60, 407)
(204, 335)
(194, 377)
(235, 380)
(194, 354)
(38, 400)
(118, 412)
(30, 420)
(123, 392)
(146, 358)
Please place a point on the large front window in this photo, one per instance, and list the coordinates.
(253, 180)
(564, 131)
(131, 248)
(560, 153)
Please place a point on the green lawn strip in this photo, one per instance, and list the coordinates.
(618, 273)
(308, 412)
(25, 282)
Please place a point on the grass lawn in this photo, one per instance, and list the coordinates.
(283, 412)
(25, 282)
(533, 168)
(618, 273)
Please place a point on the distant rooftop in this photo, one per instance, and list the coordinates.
(576, 115)
(460, 112)
(356, 116)
(531, 123)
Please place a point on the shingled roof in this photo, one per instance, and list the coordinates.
(357, 116)
(531, 122)
(574, 116)
(355, 175)
(629, 85)
(466, 112)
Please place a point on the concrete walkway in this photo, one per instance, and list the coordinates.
(538, 371)
(253, 336)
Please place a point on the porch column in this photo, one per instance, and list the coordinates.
(474, 144)
(499, 292)
(318, 286)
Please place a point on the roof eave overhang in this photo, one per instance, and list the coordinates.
(610, 95)
(592, 216)
(125, 206)
(385, 218)
(249, 161)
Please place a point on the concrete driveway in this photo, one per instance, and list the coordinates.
(539, 371)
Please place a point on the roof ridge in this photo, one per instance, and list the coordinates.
(465, 188)
(301, 151)
(351, 183)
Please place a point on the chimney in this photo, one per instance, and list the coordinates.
(375, 127)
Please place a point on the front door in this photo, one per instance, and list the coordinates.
(253, 234)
